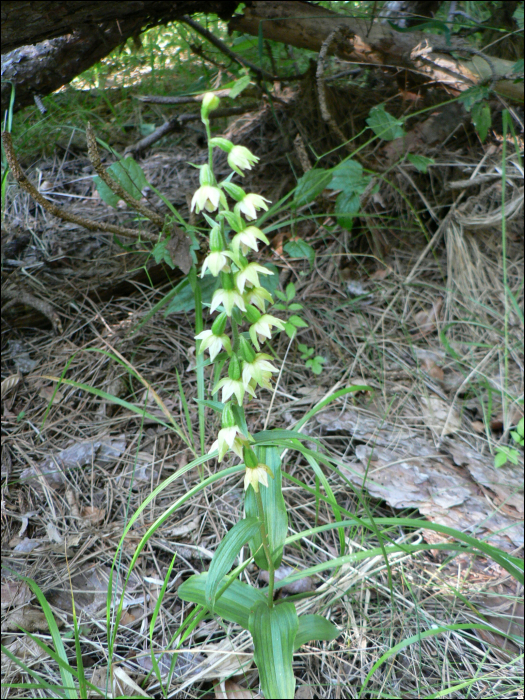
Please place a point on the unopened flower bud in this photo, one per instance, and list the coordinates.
(222, 143)
(250, 458)
(245, 350)
(206, 175)
(209, 103)
(252, 314)
(234, 368)
(216, 240)
(228, 419)
(219, 325)
(235, 192)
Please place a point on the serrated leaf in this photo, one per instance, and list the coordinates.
(347, 206)
(297, 321)
(420, 162)
(311, 184)
(314, 628)
(481, 119)
(384, 124)
(472, 96)
(226, 554)
(300, 249)
(274, 508)
(239, 86)
(234, 605)
(290, 291)
(348, 177)
(273, 631)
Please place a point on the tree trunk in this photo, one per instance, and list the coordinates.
(307, 26)
(58, 41)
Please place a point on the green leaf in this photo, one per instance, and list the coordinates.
(316, 364)
(235, 603)
(310, 185)
(347, 206)
(295, 307)
(435, 25)
(481, 119)
(518, 66)
(128, 173)
(314, 628)
(239, 86)
(290, 330)
(161, 253)
(472, 96)
(274, 508)
(421, 162)
(384, 124)
(184, 300)
(297, 321)
(280, 295)
(348, 177)
(105, 193)
(290, 291)
(280, 307)
(500, 458)
(226, 553)
(214, 405)
(274, 631)
(270, 282)
(300, 249)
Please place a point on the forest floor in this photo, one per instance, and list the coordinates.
(428, 321)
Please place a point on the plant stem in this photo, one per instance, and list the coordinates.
(210, 148)
(266, 547)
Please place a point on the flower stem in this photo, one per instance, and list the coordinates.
(210, 148)
(266, 547)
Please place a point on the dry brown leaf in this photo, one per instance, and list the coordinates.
(304, 692)
(29, 618)
(46, 393)
(228, 690)
(379, 275)
(301, 586)
(23, 648)
(93, 515)
(433, 370)
(439, 417)
(426, 321)
(9, 383)
(478, 426)
(15, 593)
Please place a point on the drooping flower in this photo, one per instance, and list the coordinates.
(216, 262)
(248, 239)
(213, 343)
(256, 476)
(260, 370)
(250, 204)
(207, 197)
(257, 296)
(261, 328)
(228, 298)
(250, 273)
(240, 158)
(228, 439)
(232, 387)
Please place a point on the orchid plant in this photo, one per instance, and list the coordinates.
(235, 339)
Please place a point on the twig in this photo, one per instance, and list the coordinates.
(321, 88)
(62, 212)
(231, 54)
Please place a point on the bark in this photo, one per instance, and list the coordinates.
(307, 26)
(47, 44)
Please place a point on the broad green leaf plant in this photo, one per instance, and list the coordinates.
(234, 341)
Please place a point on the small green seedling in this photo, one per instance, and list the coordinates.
(295, 321)
(313, 363)
(505, 453)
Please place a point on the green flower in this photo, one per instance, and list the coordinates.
(250, 204)
(257, 475)
(216, 262)
(248, 239)
(261, 328)
(260, 370)
(257, 296)
(207, 197)
(250, 273)
(213, 343)
(228, 439)
(232, 387)
(228, 298)
(240, 158)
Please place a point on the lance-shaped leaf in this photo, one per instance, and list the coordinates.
(274, 631)
(234, 605)
(274, 509)
(314, 627)
(226, 553)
